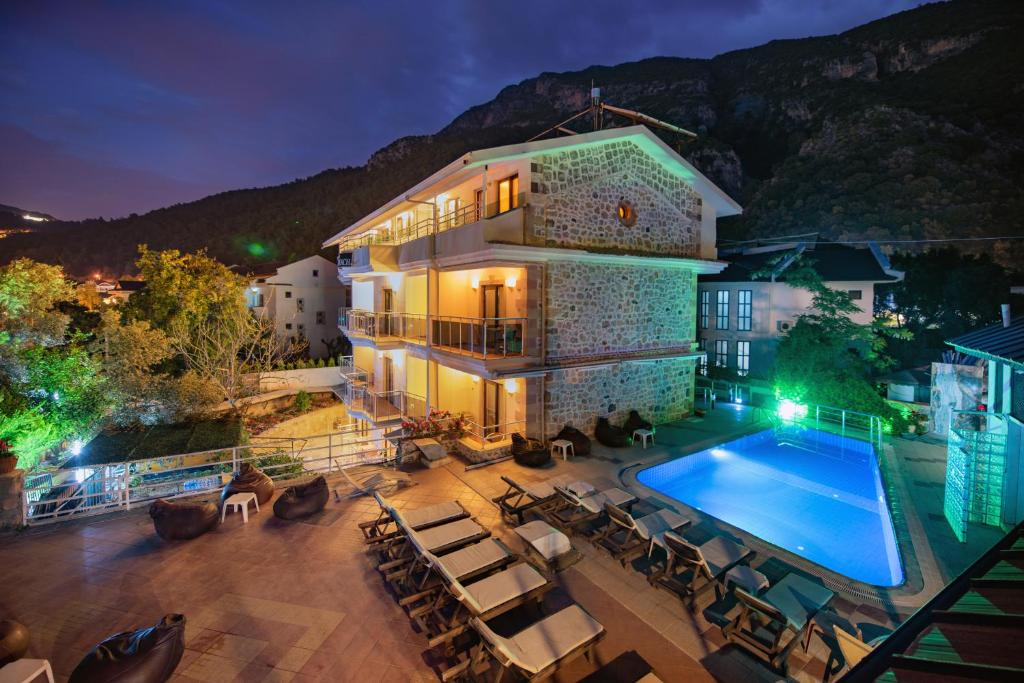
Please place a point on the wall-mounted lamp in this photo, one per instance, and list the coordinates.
(475, 282)
(474, 378)
(511, 282)
(511, 386)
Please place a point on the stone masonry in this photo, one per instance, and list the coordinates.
(575, 196)
(661, 391)
(12, 510)
(598, 310)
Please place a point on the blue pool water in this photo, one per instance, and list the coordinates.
(816, 494)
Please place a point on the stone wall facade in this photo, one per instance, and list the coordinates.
(662, 391)
(597, 310)
(12, 503)
(575, 194)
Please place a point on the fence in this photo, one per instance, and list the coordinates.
(118, 486)
(975, 470)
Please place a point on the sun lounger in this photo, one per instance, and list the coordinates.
(626, 537)
(707, 565)
(580, 504)
(520, 498)
(376, 530)
(547, 545)
(764, 621)
(436, 539)
(540, 650)
(417, 581)
(844, 640)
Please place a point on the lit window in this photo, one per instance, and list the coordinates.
(626, 213)
(721, 353)
(743, 357)
(743, 309)
(722, 312)
(705, 308)
(508, 194)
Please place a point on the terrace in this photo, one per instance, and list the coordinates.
(279, 601)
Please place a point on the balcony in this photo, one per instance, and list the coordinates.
(408, 326)
(485, 338)
(357, 393)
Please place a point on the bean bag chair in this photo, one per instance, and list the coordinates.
(249, 479)
(302, 500)
(148, 655)
(13, 642)
(610, 435)
(580, 441)
(183, 521)
(529, 452)
(635, 422)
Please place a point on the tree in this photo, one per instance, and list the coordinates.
(29, 296)
(826, 358)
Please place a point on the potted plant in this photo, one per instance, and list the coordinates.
(8, 460)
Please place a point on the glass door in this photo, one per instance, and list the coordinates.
(491, 305)
(387, 307)
(492, 409)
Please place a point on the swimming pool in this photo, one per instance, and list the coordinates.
(816, 494)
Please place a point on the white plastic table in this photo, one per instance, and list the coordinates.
(564, 446)
(645, 435)
(26, 671)
(240, 501)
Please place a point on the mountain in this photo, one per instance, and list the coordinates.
(905, 128)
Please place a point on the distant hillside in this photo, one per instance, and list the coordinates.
(905, 128)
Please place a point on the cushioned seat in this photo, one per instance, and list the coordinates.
(302, 500)
(610, 435)
(183, 521)
(148, 655)
(580, 441)
(249, 479)
(529, 452)
(635, 422)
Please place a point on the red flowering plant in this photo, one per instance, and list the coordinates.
(5, 447)
(436, 423)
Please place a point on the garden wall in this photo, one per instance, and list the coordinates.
(299, 379)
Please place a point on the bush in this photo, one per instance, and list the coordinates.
(303, 401)
(331, 363)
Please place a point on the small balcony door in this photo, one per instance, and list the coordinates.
(388, 369)
(491, 300)
(387, 306)
(492, 408)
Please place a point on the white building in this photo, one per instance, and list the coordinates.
(303, 298)
(743, 311)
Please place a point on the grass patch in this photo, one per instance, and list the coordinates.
(160, 440)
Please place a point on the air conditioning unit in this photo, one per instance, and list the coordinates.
(784, 325)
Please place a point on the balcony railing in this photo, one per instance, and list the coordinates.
(483, 337)
(384, 406)
(495, 434)
(381, 325)
(465, 215)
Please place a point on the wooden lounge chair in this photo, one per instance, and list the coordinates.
(707, 565)
(627, 538)
(580, 505)
(417, 580)
(841, 635)
(538, 651)
(522, 498)
(380, 529)
(764, 621)
(483, 599)
(436, 539)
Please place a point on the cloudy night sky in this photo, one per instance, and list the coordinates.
(118, 107)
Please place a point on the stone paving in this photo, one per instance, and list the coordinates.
(297, 601)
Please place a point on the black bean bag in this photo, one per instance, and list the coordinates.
(635, 422)
(148, 655)
(302, 500)
(249, 479)
(183, 521)
(580, 441)
(13, 642)
(529, 452)
(610, 435)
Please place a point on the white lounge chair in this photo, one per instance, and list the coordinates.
(379, 529)
(581, 504)
(627, 537)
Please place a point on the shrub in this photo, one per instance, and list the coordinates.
(303, 401)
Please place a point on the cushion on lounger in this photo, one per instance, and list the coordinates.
(545, 539)
(658, 523)
(445, 535)
(617, 497)
(539, 490)
(433, 514)
(544, 643)
(472, 558)
(497, 589)
(720, 553)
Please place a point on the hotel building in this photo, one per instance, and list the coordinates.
(532, 286)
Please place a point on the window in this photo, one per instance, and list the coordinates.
(743, 357)
(743, 309)
(300, 305)
(722, 312)
(855, 294)
(705, 308)
(255, 299)
(287, 326)
(287, 294)
(302, 329)
(721, 353)
(703, 369)
(320, 317)
(316, 272)
(508, 194)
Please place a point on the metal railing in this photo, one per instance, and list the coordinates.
(501, 433)
(411, 326)
(119, 486)
(484, 337)
(465, 215)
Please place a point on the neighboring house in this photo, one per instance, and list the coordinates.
(910, 386)
(985, 456)
(303, 298)
(123, 290)
(533, 286)
(741, 319)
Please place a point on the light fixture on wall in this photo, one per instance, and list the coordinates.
(511, 386)
(474, 282)
(474, 378)
(510, 282)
